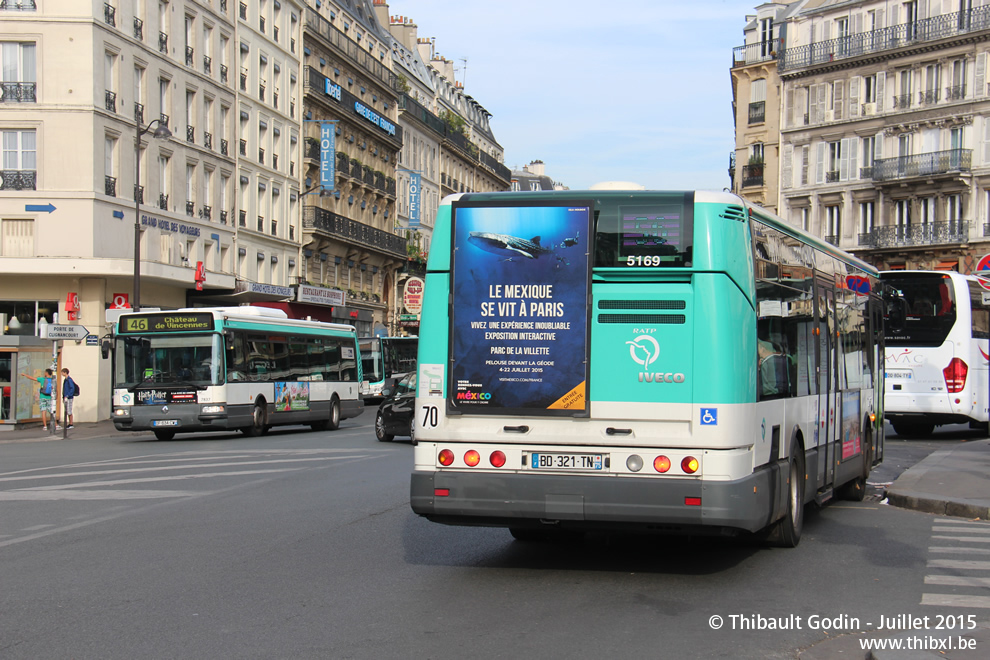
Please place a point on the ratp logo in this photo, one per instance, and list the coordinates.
(644, 350)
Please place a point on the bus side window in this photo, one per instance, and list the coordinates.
(236, 363)
(332, 370)
(980, 314)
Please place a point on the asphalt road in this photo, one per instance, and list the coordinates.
(302, 545)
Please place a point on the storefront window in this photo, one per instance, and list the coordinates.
(20, 318)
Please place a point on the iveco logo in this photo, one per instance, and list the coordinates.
(165, 409)
(645, 350)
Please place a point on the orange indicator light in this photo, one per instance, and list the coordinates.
(661, 464)
(690, 465)
(472, 458)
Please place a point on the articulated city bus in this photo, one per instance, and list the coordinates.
(937, 350)
(246, 368)
(382, 358)
(636, 360)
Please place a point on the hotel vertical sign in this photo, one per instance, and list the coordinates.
(415, 181)
(327, 154)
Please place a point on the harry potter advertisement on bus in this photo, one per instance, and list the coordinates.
(519, 319)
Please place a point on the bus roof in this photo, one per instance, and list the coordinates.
(250, 314)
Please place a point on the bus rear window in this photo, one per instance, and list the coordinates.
(654, 235)
(929, 308)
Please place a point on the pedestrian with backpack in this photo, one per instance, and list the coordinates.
(46, 388)
(69, 392)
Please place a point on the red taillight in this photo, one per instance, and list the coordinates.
(497, 459)
(661, 464)
(690, 465)
(446, 457)
(692, 501)
(441, 492)
(955, 375)
(472, 458)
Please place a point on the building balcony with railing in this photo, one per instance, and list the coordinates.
(223, 73)
(110, 100)
(18, 92)
(242, 218)
(18, 5)
(190, 55)
(332, 225)
(138, 29)
(914, 33)
(762, 51)
(191, 134)
(139, 194)
(139, 112)
(223, 147)
(18, 179)
(752, 175)
(923, 234)
(110, 186)
(223, 217)
(163, 43)
(929, 164)
(163, 201)
(191, 208)
(109, 14)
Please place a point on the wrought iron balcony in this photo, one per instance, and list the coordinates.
(261, 224)
(138, 29)
(261, 156)
(274, 161)
(223, 6)
(139, 194)
(834, 240)
(242, 219)
(110, 14)
(163, 43)
(312, 150)
(223, 73)
(163, 201)
(208, 140)
(189, 55)
(752, 175)
(18, 179)
(110, 186)
(207, 64)
(937, 162)
(18, 5)
(139, 112)
(757, 112)
(762, 51)
(163, 118)
(332, 225)
(191, 134)
(244, 147)
(206, 212)
(191, 209)
(243, 81)
(831, 176)
(223, 217)
(18, 92)
(928, 97)
(111, 101)
(866, 172)
(243, 11)
(223, 147)
(955, 93)
(274, 227)
(931, 233)
(261, 91)
(902, 102)
(884, 39)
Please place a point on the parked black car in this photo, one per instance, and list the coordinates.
(395, 414)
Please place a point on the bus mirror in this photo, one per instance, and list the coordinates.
(389, 387)
(105, 349)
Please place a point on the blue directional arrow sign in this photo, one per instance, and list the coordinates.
(118, 214)
(42, 208)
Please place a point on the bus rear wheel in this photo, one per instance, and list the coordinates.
(334, 422)
(258, 419)
(786, 532)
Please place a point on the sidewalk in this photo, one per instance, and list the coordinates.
(40, 434)
(952, 482)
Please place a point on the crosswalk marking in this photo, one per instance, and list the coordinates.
(968, 579)
(957, 581)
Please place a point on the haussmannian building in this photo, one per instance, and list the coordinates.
(219, 193)
(884, 129)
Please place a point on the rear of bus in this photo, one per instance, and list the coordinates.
(570, 380)
(936, 351)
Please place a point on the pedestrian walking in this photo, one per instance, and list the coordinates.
(69, 392)
(46, 388)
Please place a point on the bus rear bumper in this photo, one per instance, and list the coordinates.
(579, 502)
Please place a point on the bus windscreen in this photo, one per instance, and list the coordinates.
(929, 308)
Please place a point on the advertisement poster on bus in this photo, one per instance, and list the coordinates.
(520, 316)
(291, 396)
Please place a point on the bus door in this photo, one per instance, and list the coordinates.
(829, 418)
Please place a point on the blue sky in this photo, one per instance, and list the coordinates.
(635, 91)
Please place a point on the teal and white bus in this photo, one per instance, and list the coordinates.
(382, 358)
(634, 360)
(224, 368)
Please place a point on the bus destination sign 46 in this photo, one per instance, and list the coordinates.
(174, 322)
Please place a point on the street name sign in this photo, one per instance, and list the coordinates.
(56, 331)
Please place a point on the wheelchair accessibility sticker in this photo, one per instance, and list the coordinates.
(709, 416)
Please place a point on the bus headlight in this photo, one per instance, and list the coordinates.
(121, 412)
(212, 409)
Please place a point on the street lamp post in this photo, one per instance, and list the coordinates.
(161, 133)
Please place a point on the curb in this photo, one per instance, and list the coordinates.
(955, 508)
